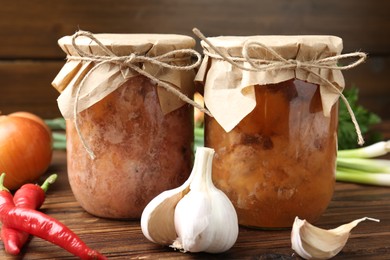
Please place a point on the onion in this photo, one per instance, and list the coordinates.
(25, 148)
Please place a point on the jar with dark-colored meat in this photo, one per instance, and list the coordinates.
(274, 106)
(279, 161)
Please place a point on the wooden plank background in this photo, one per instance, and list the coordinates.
(30, 57)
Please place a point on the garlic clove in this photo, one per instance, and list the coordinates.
(311, 242)
(157, 219)
(205, 219)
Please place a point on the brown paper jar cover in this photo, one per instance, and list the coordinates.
(141, 135)
(275, 143)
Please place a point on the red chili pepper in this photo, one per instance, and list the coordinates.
(6, 233)
(28, 196)
(41, 225)
(31, 195)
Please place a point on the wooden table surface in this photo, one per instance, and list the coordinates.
(124, 239)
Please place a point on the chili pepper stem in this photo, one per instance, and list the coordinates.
(50, 180)
(2, 187)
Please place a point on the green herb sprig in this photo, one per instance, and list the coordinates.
(346, 130)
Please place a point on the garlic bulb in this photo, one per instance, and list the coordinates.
(311, 242)
(195, 217)
(205, 219)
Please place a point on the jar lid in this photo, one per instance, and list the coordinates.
(260, 60)
(125, 44)
(283, 44)
(98, 64)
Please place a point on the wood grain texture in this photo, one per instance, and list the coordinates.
(26, 86)
(29, 30)
(124, 240)
(371, 78)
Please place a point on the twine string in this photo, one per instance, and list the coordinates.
(279, 63)
(132, 62)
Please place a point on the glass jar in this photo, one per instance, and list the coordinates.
(274, 131)
(141, 135)
(279, 161)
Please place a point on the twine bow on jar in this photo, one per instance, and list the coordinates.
(280, 63)
(132, 62)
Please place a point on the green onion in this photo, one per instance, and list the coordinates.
(59, 145)
(56, 123)
(198, 137)
(374, 150)
(366, 165)
(59, 140)
(60, 137)
(360, 165)
(382, 179)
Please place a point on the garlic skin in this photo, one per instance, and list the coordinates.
(195, 217)
(311, 242)
(205, 219)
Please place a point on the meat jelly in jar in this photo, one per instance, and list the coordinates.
(274, 124)
(128, 138)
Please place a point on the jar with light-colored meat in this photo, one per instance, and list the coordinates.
(141, 136)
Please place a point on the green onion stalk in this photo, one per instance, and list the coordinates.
(58, 127)
(361, 165)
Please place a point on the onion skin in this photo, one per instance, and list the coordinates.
(32, 117)
(25, 148)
